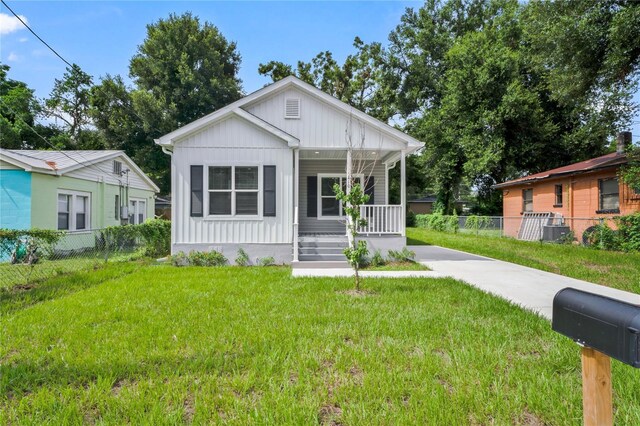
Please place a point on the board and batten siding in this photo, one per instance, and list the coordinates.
(103, 170)
(231, 142)
(320, 126)
(313, 168)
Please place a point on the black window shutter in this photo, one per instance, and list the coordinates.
(197, 195)
(269, 191)
(312, 196)
(369, 189)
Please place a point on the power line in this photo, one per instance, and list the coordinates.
(34, 33)
(63, 152)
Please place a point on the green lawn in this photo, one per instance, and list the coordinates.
(398, 266)
(134, 343)
(613, 269)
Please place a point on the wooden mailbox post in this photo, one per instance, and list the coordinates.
(605, 328)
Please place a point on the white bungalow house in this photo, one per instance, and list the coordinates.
(258, 175)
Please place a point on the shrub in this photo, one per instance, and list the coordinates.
(155, 235)
(377, 259)
(204, 258)
(567, 238)
(404, 255)
(266, 261)
(629, 232)
(602, 237)
(411, 219)
(243, 258)
(476, 223)
(179, 259)
(438, 222)
(42, 241)
(422, 220)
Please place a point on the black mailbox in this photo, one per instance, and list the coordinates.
(607, 325)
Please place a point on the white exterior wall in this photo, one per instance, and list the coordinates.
(103, 170)
(320, 126)
(230, 142)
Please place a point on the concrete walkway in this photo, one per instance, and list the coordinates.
(529, 288)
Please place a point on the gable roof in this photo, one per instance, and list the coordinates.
(290, 81)
(602, 162)
(61, 162)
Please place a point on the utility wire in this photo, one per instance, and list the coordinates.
(34, 33)
(63, 152)
(70, 65)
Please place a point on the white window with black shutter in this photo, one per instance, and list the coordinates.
(74, 210)
(234, 191)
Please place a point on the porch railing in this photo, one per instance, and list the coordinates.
(381, 219)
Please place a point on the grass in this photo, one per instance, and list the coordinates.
(612, 269)
(398, 266)
(165, 345)
(21, 274)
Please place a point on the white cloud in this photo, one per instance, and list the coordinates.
(23, 39)
(13, 57)
(10, 24)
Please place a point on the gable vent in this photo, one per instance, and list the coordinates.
(117, 167)
(292, 108)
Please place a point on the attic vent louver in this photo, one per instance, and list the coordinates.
(117, 167)
(292, 108)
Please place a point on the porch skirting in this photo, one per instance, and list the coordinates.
(281, 253)
(384, 243)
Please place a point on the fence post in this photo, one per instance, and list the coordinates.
(501, 226)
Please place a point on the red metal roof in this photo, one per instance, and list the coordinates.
(592, 164)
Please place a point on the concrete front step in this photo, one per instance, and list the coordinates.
(320, 264)
(321, 250)
(322, 238)
(322, 257)
(305, 244)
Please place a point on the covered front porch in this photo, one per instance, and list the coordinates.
(317, 213)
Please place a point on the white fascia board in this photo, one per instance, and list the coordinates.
(10, 158)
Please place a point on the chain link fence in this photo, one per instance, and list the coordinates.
(530, 227)
(27, 259)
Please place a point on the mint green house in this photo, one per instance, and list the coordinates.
(74, 191)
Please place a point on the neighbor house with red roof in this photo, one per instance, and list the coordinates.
(586, 190)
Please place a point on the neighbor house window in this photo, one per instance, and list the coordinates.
(233, 191)
(527, 200)
(137, 211)
(608, 195)
(73, 211)
(329, 206)
(117, 207)
(558, 191)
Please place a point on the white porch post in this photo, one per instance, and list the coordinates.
(349, 175)
(386, 184)
(296, 184)
(403, 192)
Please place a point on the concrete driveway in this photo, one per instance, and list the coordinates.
(529, 288)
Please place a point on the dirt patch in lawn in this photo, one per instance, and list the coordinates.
(329, 414)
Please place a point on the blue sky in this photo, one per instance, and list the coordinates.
(102, 37)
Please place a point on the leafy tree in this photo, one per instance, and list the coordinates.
(18, 109)
(69, 104)
(355, 82)
(185, 70)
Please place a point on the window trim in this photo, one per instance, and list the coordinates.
(233, 215)
(601, 210)
(72, 210)
(319, 196)
(555, 193)
(524, 200)
(137, 200)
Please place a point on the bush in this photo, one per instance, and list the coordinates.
(404, 255)
(411, 219)
(476, 223)
(377, 259)
(155, 235)
(602, 237)
(629, 232)
(266, 261)
(179, 259)
(41, 241)
(243, 258)
(438, 222)
(207, 258)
